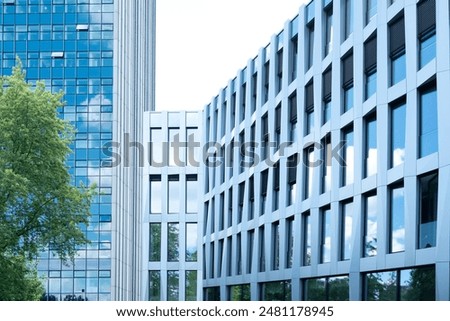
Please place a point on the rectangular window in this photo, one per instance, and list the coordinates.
(155, 242)
(242, 151)
(348, 156)
(243, 101)
(309, 108)
(293, 117)
(397, 219)
(230, 207)
(155, 194)
(428, 130)
(279, 70)
(250, 246)
(370, 66)
(240, 292)
(212, 266)
(276, 186)
(326, 94)
(252, 146)
(222, 211)
(325, 235)
(397, 134)
(328, 30)
(278, 127)
(294, 58)
(193, 148)
(261, 250)
(346, 230)
(191, 194)
(191, 242)
(238, 254)
(220, 258)
(428, 203)
(276, 291)
(308, 171)
(310, 45)
(254, 90)
(371, 10)
(174, 153)
(156, 147)
(327, 289)
(347, 82)
(191, 286)
(264, 137)
(292, 178)
(233, 111)
(306, 246)
(289, 242)
(173, 193)
(241, 201)
(370, 148)
(229, 256)
(326, 164)
(263, 188)
(397, 50)
(370, 241)
(348, 18)
(275, 245)
(173, 242)
(426, 31)
(173, 286)
(251, 198)
(266, 81)
(154, 286)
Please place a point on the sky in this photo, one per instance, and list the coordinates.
(201, 45)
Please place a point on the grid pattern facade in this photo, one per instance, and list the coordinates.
(332, 175)
(171, 246)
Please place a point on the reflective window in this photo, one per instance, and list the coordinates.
(173, 194)
(417, 284)
(193, 148)
(325, 236)
(308, 171)
(371, 83)
(346, 230)
(348, 18)
(371, 149)
(250, 245)
(426, 31)
(275, 245)
(398, 68)
(191, 242)
(275, 291)
(348, 157)
(279, 69)
(428, 203)
(238, 254)
(328, 30)
(155, 242)
(289, 242)
(397, 219)
(154, 286)
(155, 194)
(261, 250)
(326, 164)
(173, 242)
(370, 241)
(428, 134)
(397, 134)
(156, 147)
(327, 289)
(240, 292)
(310, 45)
(427, 48)
(292, 179)
(174, 147)
(173, 287)
(348, 98)
(191, 194)
(266, 81)
(371, 7)
(191, 286)
(293, 59)
(306, 244)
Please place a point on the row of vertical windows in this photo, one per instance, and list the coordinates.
(173, 286)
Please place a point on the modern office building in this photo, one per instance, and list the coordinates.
(344, 194)
(101, 54)
(171, 262)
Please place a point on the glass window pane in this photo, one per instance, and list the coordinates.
(398, 68)
(381, 286)
(173, 194)
(155, 195)
(156, 147)
(173, 287)
(348, 98)
(191, 242)
(397, 220)
(326, 236)
(173, 243)
(349, 158)
(371, 150)
(326, 165)
(428, 200)
(155, 242)
(306, 239)
(338, 289)
(191, 286)
(371, 226)
(346, 230)
(191, 194)
(315, 290)
(371, 84)
(428, 122)
(154, 286)
(397, 135)
(427, 48)
(418, 284)
(174, 150)
(240, 292)
(276, 291)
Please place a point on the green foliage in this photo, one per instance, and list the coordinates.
(19, 280)
(39, 208)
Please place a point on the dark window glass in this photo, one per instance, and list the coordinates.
(428, 202)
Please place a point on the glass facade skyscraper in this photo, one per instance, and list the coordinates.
(70, 46)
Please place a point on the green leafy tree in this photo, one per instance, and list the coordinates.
(39, 208)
